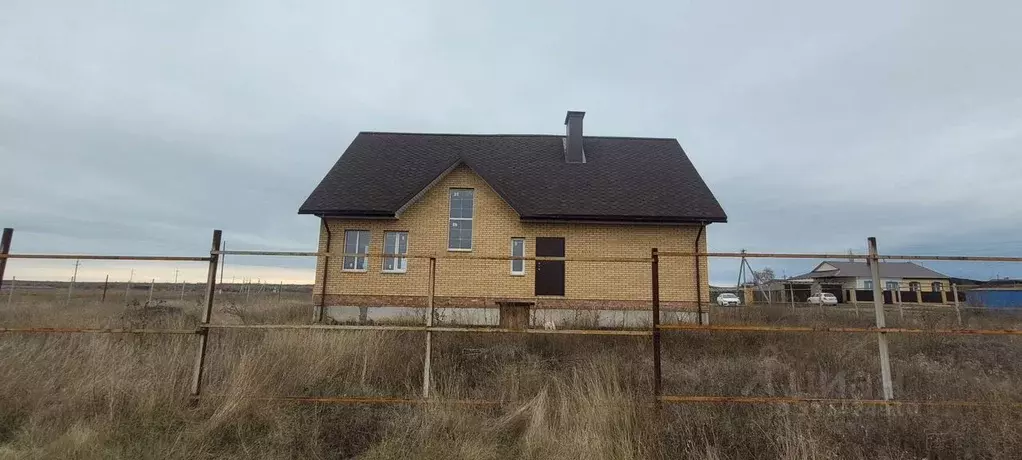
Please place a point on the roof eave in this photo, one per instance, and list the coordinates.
(623, 219)
(349, 214)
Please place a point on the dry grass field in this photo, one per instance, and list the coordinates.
(125, 396)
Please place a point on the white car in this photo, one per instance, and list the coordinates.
(823, 298)
(728, 299)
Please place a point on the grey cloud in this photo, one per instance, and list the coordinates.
(132, 128)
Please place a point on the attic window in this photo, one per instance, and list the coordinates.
(459, 228)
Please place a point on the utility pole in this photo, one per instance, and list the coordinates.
(127, 290)
(14, 279)
(106, 282)
(175, 275)
(223, 262)
(74, 277)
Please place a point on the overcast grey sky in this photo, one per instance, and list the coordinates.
(137, 127)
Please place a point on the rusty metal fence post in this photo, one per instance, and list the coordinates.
(427, 364)
(654, 264)
(5, 248)
(200, 356)
(878, 306)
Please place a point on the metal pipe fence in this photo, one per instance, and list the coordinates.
(654, 331)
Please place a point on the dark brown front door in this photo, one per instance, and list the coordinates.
(549, 273)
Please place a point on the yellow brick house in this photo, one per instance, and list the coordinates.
(393, 197)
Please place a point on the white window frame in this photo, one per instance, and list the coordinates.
(937, 286)
(365, 258)
(522, 271)
(401, 262)
(867, 284)
(915, 286)
(897, 286)
(450, 202)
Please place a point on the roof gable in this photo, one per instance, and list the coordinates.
(624, 179)
(861, 270)
(439, 180)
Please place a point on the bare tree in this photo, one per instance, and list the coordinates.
(765, 275)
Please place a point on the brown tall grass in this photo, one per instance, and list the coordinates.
(108, 396)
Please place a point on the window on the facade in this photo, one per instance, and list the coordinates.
(460, 224)
(893, 286)
(867, 284)
(355, 242)
(913, 286)
(395, 243)
(937, 286)
(517, 250)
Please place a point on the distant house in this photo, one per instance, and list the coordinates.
(499, 195)
(906, 281)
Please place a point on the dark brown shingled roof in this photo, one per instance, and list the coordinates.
(861, 270)
(623, 179)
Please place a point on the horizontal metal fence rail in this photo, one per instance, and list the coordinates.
(376, 400)
(767, 255)
(282, 254)
(328, 327)
(858, 330)
(85, 330)
(681, 399)
(781, 255)
(941, 308)
(101, 257)
(470, 330)
(850, 307)
(429, 256)
(669, 399)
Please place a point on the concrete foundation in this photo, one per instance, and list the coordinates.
(538, 318)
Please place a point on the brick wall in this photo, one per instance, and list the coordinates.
(494, 224)
(925, 285)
